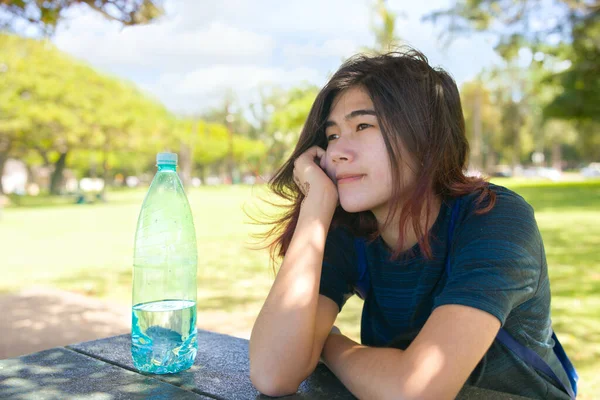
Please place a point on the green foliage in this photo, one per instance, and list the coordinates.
(475, 94)
(383, 26)
(46, 14)
(41, 101)
(580, 98)
(55, 105)
(576, 24)
(278, 116)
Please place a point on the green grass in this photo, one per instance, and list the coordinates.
(88, 249)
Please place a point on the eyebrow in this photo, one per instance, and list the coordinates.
(353, 114)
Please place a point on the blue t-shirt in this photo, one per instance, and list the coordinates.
(498, 266)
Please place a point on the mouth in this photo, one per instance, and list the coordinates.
(348, 178)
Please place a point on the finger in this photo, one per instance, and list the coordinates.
(323, 162)
(317, 152)
(312, 153)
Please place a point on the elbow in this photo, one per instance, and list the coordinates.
(272, 384)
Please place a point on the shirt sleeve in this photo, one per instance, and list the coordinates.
(340, 267)
(496, 258)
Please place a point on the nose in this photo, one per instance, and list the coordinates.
(340, 151)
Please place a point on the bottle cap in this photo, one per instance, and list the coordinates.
(166, 158)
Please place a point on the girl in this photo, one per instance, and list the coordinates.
(382, 208)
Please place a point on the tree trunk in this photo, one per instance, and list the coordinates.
(31, 178)
(490, 162)
(203, 174)
(5, 146)
(3, 158)
(57, 176)
(476, 161)
(557, 156)
(105, 169)
(44, 155)
(185, 164)
(516, 153)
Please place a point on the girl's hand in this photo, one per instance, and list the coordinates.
(310, 177)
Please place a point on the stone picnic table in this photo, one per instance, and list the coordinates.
(103, 370)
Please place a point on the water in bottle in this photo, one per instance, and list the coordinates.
(163, 337)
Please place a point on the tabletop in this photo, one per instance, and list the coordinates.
(103, 370)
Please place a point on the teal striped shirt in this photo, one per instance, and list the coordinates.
(498, 266)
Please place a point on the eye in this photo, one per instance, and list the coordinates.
(361, 127)
(333, 137)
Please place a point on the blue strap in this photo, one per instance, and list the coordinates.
(531, 358)
(362, 284)
(453, 218)
(527, 355)
(567, 365)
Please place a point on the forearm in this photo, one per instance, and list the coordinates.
(381, 373)
(281, 345)
(368, 372)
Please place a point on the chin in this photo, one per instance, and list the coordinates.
(353, 205)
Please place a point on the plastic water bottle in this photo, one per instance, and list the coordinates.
(163, 337)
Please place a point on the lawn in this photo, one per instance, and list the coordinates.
(88, 249)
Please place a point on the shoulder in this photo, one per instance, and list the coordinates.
(340, 246)
(510, 210)
(510, 222)
(507, 202)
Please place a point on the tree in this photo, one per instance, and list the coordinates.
(126, 120)
(516, 22)
(287, 122)
(580, 97)
(45, 15)
(482, 121)
(41, 98)
(383, 26)
(574, 25)
(56, 105)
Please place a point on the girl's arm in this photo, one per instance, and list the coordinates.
(294, 322)
(435, 366)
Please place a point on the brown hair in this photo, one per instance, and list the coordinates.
(418, 107)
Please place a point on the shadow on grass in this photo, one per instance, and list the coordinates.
(47, 201)
(96, 283)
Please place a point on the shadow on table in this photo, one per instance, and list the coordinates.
(62, 373)
(221, 369)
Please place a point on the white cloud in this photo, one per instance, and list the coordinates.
(189, 58)
(338, 48)
(205, 87)
(161, 45)
(341, 18)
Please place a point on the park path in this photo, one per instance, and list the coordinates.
(40, 318)
(36, 319)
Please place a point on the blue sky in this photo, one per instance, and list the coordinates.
(201, 49)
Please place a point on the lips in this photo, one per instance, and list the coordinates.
(348, 178)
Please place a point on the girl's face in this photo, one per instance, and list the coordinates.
(356, 158)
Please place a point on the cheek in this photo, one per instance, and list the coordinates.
(328, 166)
(380, 164)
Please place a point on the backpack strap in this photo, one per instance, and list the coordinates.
(527, 355)
(531, 358)
(362, 284)
(453, 218)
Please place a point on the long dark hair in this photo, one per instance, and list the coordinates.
(418, 107)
